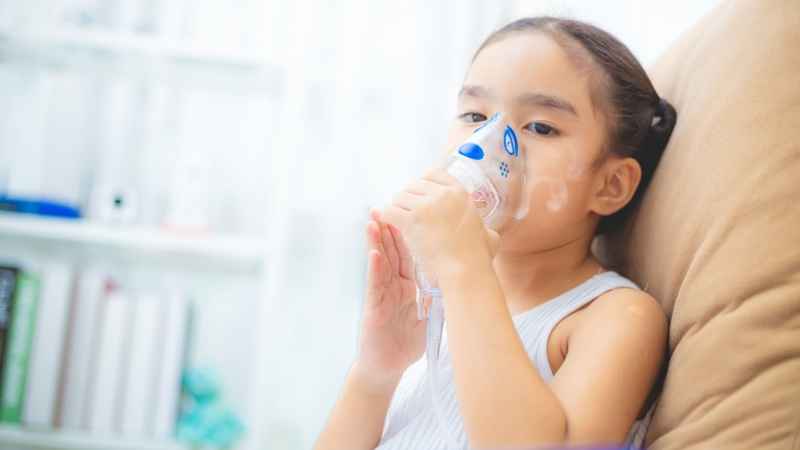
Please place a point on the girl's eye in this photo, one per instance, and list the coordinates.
(542, 129)
(472, 117)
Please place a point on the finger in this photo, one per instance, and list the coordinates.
(441, 177)
(390, 249)
(407, 201)
(375, 214)
(375, 281)
(373, 235)
(396, 216)
(406, 264)
(420, 186)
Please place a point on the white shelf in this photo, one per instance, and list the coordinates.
(215, 251)
(20, 438)
(120, 42)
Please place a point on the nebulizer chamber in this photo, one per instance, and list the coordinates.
(492, 171)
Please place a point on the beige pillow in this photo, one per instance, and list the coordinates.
(717, 237)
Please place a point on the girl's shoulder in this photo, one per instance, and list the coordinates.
(608, 308)
(629, 309)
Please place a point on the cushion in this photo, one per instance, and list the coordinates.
(716, 238)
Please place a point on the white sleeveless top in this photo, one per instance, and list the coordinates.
(411, 422)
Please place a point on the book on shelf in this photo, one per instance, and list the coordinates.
(57, 279)
(18, 348)
(177, 327)
(109, 356)
(140, 376)
(8, 282)
(84, 318)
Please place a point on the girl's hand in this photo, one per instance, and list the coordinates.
(438, 220)
(392, 337)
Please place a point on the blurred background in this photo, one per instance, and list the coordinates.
(220, 156)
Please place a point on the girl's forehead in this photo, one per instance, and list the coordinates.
(529, 61)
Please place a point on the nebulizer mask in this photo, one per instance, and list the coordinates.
(492, 170)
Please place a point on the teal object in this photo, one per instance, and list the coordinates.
(202, 385)
(205, 421)
(189, 430)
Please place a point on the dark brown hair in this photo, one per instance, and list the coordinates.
(639, 122)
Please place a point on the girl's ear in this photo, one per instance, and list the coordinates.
(616, 183)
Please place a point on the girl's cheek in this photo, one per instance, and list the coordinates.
(570, 162)
(547, 195)
(558, 196)
(556, 187)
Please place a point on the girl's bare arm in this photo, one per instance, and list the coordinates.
(612, 360)
(357, 419)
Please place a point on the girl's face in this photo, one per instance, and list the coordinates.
(529, 78)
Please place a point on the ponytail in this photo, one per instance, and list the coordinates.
(655, 141)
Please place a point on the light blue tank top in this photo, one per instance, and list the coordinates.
(411, 422)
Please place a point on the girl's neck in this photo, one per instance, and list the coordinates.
(531, 279)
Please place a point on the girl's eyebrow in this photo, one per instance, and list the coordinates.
(526, 99)
(547, 101)
(470, 90)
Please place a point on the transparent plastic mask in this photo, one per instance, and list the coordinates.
(490, 166)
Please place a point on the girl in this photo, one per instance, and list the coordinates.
(543, 346)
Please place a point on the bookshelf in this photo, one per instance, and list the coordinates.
(220, 252)
(24, 439)
(225, 276)
(99, 93)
